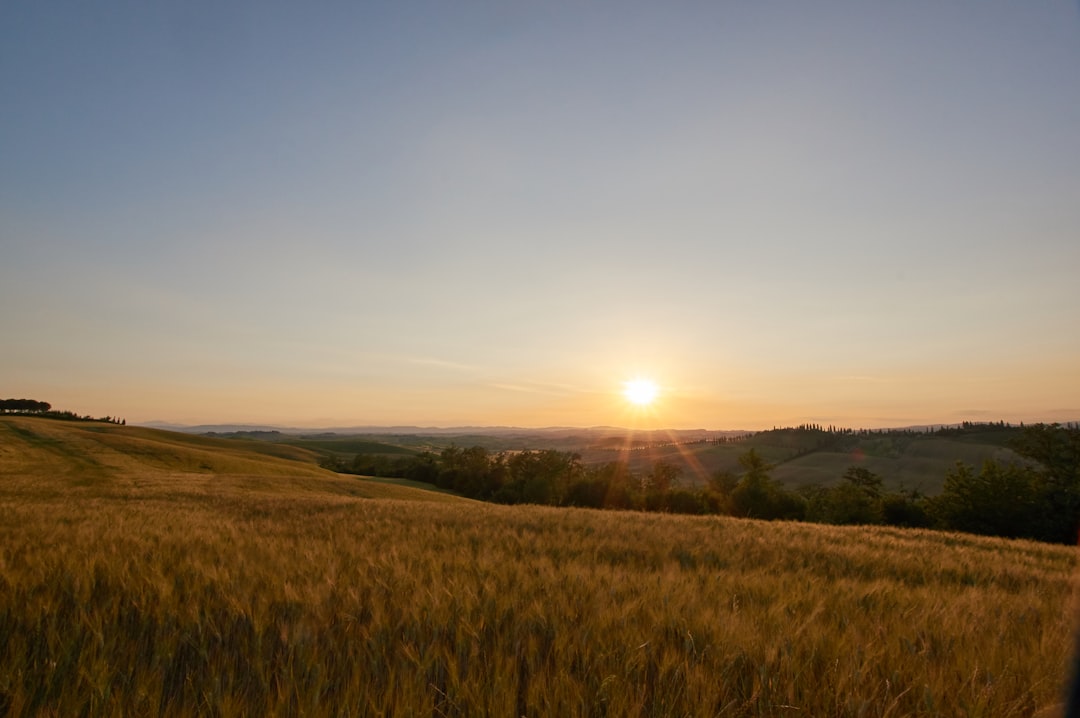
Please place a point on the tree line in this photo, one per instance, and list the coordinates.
(1040, 500)
(559, 478)
(24, 406)
(32, 407)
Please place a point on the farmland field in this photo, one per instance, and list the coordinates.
(149, 573)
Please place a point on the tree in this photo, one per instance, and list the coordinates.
(472, 472)
(865, 480)
(1000, 500)
(662, 478)
(609, 485)
(905, 508)
(1057, 449)
(544, 476)
(845, 504)
(24, 406)
(619, 483)
(656, 486)
(1038, 500)
(718, 491)
(423, 467)
(751, 498)
(723, 482)
(684, 501)
(587, 493)
(758, 496)
(856, 500)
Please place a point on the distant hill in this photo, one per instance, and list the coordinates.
(903, 458)
(345, 443)
(146, 573)
(909, 458)
(488, 432)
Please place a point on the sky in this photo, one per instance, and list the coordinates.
(320, 214)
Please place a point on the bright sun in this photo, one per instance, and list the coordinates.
(641, 392)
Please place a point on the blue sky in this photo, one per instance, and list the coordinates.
(491, 213)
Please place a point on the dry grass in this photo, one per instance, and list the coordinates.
(253, 595)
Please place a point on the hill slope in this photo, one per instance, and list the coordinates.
(908, 460)
(134, 580)
(46, 457)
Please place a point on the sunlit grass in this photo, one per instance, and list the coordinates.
(248, 595)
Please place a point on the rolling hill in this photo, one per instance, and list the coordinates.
(910, 460)
(46, 457)
(905, 459)
(150, 573)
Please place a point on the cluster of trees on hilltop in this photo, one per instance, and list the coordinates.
(1040, 500)
(32, 407)
(24, 406)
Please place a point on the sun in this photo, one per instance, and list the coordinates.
(640, 392)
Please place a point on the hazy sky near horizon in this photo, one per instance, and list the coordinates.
(485, 213)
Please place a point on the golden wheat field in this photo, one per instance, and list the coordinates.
(165, 578)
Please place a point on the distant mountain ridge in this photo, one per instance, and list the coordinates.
(440, 430)
(517, 430)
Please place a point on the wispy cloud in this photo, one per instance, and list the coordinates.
(864, 379)
(540, 388)
(441, 363)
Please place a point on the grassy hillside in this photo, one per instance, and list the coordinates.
(903, 460)
(913, 461)
(920, 462)
(54, 459)
(348, 445)
(158, 587)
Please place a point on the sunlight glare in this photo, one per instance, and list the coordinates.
(641, 392)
